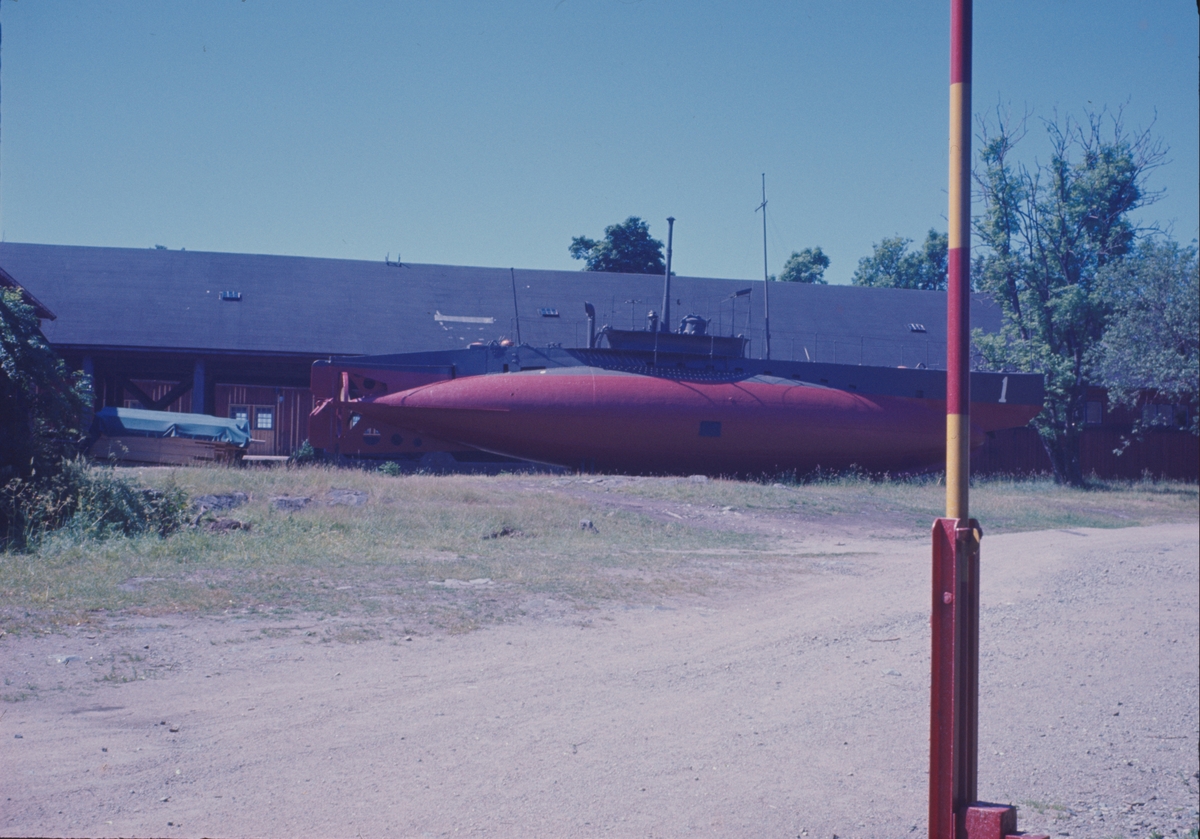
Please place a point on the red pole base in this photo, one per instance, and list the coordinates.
(954, 683)
(995, 821)
(954, 701)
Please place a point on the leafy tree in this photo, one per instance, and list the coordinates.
(1046, 233)
(892, 265)
(806, 266)
(42, 405)
(1152, 341)
(42, 408)
(626, 248)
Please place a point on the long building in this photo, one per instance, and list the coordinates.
(236, 334)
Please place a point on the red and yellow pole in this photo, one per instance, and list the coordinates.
(958, 320)
(954, 700)
(954, 809)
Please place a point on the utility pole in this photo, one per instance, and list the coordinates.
(665, 324)
(766, 277)
(512, 273)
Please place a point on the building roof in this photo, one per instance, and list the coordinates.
(197, 302)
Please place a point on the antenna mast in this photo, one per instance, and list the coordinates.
(516, 312)
(665, 323)
(766, 278)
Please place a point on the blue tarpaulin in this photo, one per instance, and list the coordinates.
(136, 422)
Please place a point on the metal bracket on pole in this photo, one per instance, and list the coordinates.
(954, 811)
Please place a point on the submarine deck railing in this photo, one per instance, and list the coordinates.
(786, 345)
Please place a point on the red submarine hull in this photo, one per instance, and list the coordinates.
(600, 419)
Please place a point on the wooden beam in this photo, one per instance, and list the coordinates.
(156, 404)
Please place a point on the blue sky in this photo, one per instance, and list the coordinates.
(490, 133)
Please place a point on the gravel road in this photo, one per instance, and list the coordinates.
(798, 709)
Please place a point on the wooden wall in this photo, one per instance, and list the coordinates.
(292, 407)
(1013, 451)
(157, 390)
(1161, 453)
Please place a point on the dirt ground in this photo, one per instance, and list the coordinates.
(797, 708)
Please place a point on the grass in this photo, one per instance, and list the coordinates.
(1002, 505)
(411, 553)
(1043, 807)
(379, 559)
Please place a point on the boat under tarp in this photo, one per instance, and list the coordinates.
(135, 435)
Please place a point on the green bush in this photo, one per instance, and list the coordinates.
(90, 502)
(391, 468)
(304, 453)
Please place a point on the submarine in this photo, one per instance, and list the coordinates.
(651, 402)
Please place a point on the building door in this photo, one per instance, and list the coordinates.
(262, 426)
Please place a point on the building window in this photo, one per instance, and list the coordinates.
(264, 418)
(239, 412)
(1095, 413)
(1165, 416)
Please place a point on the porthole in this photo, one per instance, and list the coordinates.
(396, 439)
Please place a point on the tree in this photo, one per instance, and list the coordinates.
(1046, 233)
(626, 248)
(42, 408)
(806, 266)
(891, 265)
(1152, 340)
(42, 405)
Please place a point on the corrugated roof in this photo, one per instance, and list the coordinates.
(172, 300)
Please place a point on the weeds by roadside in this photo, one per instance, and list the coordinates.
(86, 502)
(411, 550)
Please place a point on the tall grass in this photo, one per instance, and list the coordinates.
(88, 502)
(420, 552)
(394, 555)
